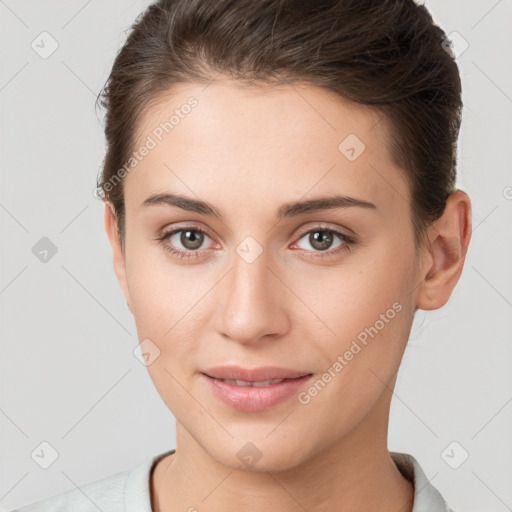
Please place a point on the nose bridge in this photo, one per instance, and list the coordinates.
(250, 309)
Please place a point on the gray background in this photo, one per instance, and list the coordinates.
(68, 373)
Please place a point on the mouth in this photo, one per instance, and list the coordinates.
(257, 383)
(251, 394)
(250, 375)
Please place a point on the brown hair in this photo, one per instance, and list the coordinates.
(388, 54)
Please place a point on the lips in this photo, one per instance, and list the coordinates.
(254, 390)
(261, 383)
(247, 376)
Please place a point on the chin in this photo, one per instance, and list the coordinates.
(258, 456)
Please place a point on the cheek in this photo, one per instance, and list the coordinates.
(167, 308)
(351, 297)
(365, 311)
(159, 291)
(369, 316)
(169, 304)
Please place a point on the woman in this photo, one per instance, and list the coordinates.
(280, 199)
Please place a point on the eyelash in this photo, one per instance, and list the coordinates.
(346, 245)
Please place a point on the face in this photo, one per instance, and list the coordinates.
(253, 280)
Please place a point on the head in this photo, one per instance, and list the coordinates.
(225, 123)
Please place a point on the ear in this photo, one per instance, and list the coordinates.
(448, 240)
(111, 228)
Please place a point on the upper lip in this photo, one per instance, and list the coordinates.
(262, 373)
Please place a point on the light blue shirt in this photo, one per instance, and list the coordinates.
(129, 491)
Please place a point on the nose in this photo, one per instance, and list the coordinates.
(251, 304)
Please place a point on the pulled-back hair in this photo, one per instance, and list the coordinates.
(387, 54)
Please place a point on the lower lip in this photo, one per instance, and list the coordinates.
(255, 399)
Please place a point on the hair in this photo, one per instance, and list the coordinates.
(387, 54)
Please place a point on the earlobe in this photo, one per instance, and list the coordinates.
(118, 258)
(448, 238)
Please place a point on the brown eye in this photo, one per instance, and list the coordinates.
(191, 239)
(321, 240)
(185, 242)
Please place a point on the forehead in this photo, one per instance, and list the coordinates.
(262, 141)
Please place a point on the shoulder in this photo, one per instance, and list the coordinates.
(104, 494)
(125, 491)
(426, 497)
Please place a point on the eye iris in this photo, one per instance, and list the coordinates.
(195, 241)
(325, 239)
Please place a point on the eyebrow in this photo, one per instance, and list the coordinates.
(286, 210)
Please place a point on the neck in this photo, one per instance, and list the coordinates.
(355, 473)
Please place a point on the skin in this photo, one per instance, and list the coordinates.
(247, 151)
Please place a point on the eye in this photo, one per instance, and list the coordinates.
(184, 242)
(322, 239)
